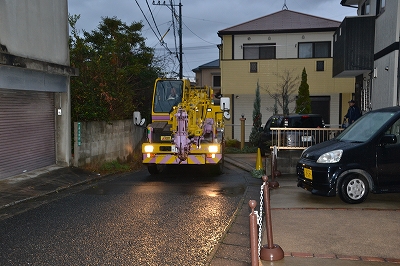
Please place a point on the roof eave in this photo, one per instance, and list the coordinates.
(348, 3)
(221, 33)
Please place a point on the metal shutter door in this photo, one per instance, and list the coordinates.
(27, 139)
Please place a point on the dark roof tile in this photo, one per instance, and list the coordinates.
(283, 21)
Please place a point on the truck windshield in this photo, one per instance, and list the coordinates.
(365, 127)
(168, 94)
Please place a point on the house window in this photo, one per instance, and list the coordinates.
(380, 6)
(253, 67)
(314, 49)
(216, 81)
(366, 8)
(320, 66)
(259, 51)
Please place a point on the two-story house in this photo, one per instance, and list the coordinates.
(209, 74)
(261, 50)
(366, 47)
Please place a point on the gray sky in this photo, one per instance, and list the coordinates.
(202, 19)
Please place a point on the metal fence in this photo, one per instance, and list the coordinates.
(301, 138)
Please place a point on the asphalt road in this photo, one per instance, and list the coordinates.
(176, 218)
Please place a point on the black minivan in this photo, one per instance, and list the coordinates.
(291, 138)
(363, 158)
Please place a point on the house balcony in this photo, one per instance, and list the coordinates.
(353, 47)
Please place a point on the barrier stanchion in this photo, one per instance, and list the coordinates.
(253, 234)
(271, 251)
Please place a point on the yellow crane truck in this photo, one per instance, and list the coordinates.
(187, 126)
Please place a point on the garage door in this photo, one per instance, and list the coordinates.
(27, 140)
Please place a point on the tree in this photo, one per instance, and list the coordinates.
(283, 93)
(303, 102)
(116, 71)
(257, 118)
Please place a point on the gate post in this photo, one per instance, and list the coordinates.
(242, 131)
(274, 172)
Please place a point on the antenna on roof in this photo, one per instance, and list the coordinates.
(285, 6)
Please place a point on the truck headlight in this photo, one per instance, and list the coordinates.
(148, 148)
(213, 148)
(330, 157)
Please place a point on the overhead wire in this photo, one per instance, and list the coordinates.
(173, 26)
(155, 24)
(160, 38)
(145, 17)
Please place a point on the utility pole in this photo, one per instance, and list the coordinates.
(159, 3)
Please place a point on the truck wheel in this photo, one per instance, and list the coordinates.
(217, 169)
(155, 169)
(354, 189)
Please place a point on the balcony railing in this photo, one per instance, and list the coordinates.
(301, 138)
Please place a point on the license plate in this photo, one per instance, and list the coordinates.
(308, 173)
(306, 138)
(165, 138)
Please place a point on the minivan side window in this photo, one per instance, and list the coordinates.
(395, 130)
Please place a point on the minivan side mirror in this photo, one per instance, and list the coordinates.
(389, 139)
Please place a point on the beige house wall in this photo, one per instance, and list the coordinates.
(238, 83)
(237, 79)
(205, 77)
(227, 47)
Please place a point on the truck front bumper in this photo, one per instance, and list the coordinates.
(149, 158)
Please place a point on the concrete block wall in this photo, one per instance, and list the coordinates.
(98, 141)
(286, 161)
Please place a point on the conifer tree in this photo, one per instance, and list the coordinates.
(257, 117)
(303, 102)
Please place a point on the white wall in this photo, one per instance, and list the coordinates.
(286, 44)
(387, 29)
(384, 91)
(35, 29)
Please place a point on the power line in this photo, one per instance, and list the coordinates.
(179, 18)
(151, 13)
(152, 27)
(196, 34)
(191, 48)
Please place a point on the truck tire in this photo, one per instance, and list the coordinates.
(217, 169)
(155, 169)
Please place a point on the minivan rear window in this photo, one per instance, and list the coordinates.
(365, 127)
(305, 122)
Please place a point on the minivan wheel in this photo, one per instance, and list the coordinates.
(354, 189)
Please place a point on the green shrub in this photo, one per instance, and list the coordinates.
(246, 149)
(232, 143)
